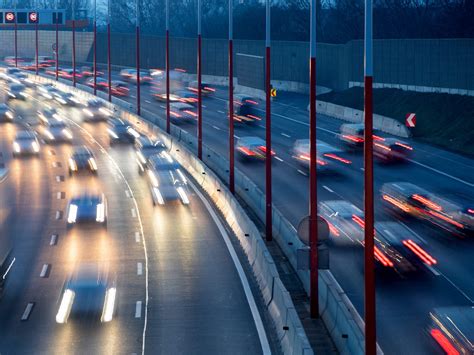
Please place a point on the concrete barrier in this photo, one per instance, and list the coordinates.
(337, 312)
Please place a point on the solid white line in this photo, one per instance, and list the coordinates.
(457, 288)
(279, 159)
(162, 106)
(138, 309)
(302, 172)
(44, 270)
(433, 270)
(148, 101)
(145, 321)
(236, 136)
(327, 188)
(285, 135)
(137, 237)
(441, 173)
(243, 278)
(26, 313)
(413, 232)
(54, 239)
(216, 128)
(139, 269)
(134, 213)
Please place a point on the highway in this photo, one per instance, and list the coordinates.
(178, 288)
(403, 304)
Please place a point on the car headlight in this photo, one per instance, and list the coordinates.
(65, 306)
(35, 146)
(12, 95)
(183, 178)
(158, 196)
(9, 114)
(88, 112)
(100, 213)
(24, 94)
(182, 194)
(104, 111)
(112, 133)
(67, 133)
(141, 158)
(92, 164)
(72, 215)
(73, 99)
(153, 179)
(61, 100)
(133, 132)
(72, 164)
(48, 134)
(16, 147)
(48, 96)
(109, 305)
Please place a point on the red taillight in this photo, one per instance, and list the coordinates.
(333, 230)
(252, 102)
(384, 147)
(209, 89)
(427, 202)
(338, 158)
(304, 157)
(380, 256)
(443, 342)
(254, 117)
(404, 146)
(423, 255)
(246, 151)
(321, 162)
(358, 220)
(264, 149)
(175, 114)
(191, 113)
(446, 219)
(180, 70)
(192, 89)
(470, 210)
(377, 138)
(353, 138)
(396, 203)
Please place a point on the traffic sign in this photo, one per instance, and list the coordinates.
(33, 16)
(273, 92)
(410, 120)
(9, 17)
(303, 230)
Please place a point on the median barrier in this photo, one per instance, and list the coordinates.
(338, 313)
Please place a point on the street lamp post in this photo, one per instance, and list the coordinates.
(109, 57)
(231, 100)
(73, 43)
(370, 323)
(137, 9)
(268, 129)
(167, 59)
(313, 186)
(95, 47)
(199, 81)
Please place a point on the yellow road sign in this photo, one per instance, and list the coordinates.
(273, 92)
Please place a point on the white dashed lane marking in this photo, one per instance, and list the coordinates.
(138, 309)
(27, 312)
(328, 189)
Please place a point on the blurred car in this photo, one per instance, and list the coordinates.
(352, 135)
(6, 113)
(28, 66)
(81, 159)
(245, 109)
(10, 60)
(206, 89)
(121, 131)
(102, 84)
(47, 91)
(87, 208)
(252, 148)
(119, 88)
(453, 329)
(25, 143)
(185, 96)
(68, 73)
(130, 75)
(87, 72)
(96, 110)
(328, 157)
(145, 148)
(55, 131)
(88, 292)
(66, 98)
(392, 150)
(16, 91)
(45, 61)
(167, 181)
(8, 73)
(180, 111)
(345, 221)
(47, 114)
(408, 199)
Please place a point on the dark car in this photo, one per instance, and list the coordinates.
(66, 98)
(47, 91)
(453, 329)
(328, 157)
(96, 110)
(206, 88)
(252, 148)
(6, 113)
(246, 109)
(82, 159)
(88, 293)
(352, 135)
(16, 91)
(391, 150)
(56, 131)
(145, 148)
(121, 131)
(167, 181)
(345, 221)
(87, 208)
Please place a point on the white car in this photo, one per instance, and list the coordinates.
(26, 143)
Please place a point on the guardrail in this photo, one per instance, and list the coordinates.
(338, 313)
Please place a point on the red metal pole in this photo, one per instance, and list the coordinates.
(95, 57)
(168, 123)
(16, 42)
(73, 52)
(138, 68)
(231, 118)
(268, 153)
(36, 43)
(370, 316)
(109, 63)
(199, 77)
(57, 46)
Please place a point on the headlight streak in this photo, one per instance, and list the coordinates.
(72, 215)
(65, 306)
(109, 305)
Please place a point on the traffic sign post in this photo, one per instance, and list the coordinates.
(410, 120)
(273, 92)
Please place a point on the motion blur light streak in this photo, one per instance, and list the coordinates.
(396, 203)
(446, 219)
(65, 306)
(380, 256)
(338, 158)
(423, 255)
(427, 202)
(443, 342)
(109, 304)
